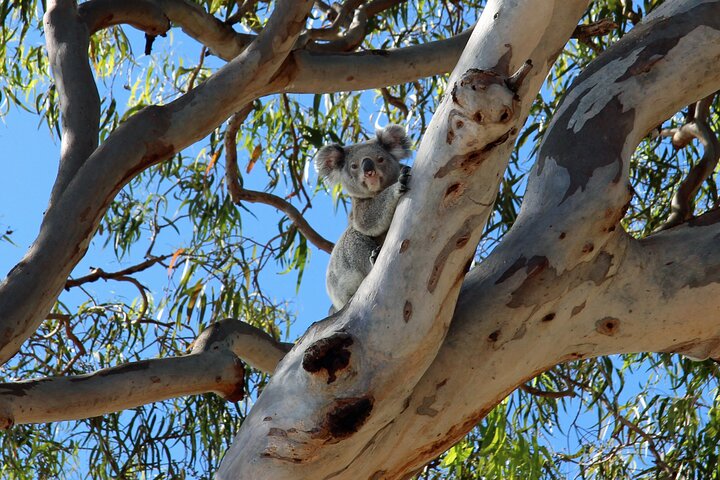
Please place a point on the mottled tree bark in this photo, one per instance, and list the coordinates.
(422, 352)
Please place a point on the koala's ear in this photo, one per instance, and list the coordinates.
(394, 139)
(329, 161)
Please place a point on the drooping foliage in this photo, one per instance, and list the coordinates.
(174, 253)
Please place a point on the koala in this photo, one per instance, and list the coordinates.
(372, 175)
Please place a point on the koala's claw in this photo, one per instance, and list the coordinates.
(374, 255)
(404, 179)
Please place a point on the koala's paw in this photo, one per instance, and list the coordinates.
(404, 180)
(374, 255)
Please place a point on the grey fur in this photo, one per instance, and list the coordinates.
(372, 175)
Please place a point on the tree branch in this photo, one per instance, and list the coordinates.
(213, 366)
(238, 193)
(567, 282)
(152, 135)
(251, 344)
(67, 42)
(304, 71)
(98, 273)
(292, 213)
(681, 205)
(351, 366)
(145, 15)
(153, 17)
(119, 388)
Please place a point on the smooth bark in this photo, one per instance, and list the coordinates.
(353, 374)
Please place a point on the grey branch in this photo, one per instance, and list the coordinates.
(119, 388)
(67, 41)
(213, 366)
(150, 136)
(305, 71)
(681, 205)
(145, 15)
(253, 345)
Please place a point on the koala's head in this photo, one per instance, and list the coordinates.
(365, 169)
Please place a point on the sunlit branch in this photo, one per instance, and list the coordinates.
(119, 388)
(67, 42)
(305, 71)
(251, 344)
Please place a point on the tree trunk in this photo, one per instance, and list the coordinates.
(565, 283)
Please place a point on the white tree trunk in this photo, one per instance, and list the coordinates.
(566, 282)
(414, 361)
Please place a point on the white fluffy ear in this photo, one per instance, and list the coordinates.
(329, 162)
(394, 139)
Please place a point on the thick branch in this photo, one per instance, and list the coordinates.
(566, 282)
(145, 15)
(213, 366)
(251, 344)
(151, 16)
(119, 388)
(67, 43)
(351, 368)
(304, 71)
(151, 136)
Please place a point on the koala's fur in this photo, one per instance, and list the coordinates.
(372, 175)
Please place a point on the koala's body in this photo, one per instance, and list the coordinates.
(372, 175)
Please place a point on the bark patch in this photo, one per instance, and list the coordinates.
(466, 164)
(582, 158)
(347, 416)
(607, 326)
(425, 407)
(707, 219)
(534, 266)
(577, 309)
(236, 392)
(138, 366)
(457, 241)
(407, 311)
(330, 354)
(543, 285)
(453, 194)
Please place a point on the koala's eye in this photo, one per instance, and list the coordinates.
(353, 166)
(381, 159)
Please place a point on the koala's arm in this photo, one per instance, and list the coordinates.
(372, 216)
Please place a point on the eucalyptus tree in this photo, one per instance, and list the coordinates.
(559, 211)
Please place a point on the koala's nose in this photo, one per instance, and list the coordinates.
(368, 166)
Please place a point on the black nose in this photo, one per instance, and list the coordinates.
(368, 165)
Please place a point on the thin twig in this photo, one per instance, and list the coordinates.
(292, 213)
(394, 101)
(238, 193)
(99, 273)
(196, 70)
